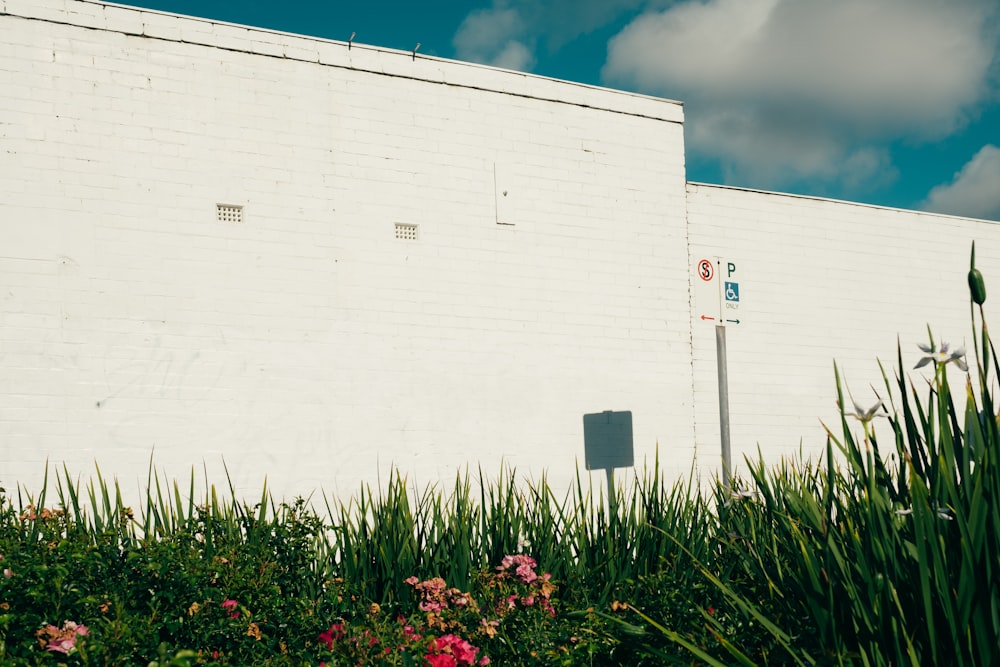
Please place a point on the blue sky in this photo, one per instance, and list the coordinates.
(890, 102)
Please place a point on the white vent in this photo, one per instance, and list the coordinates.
(229, 213)
(406, 232)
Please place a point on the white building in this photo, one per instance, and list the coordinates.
(316, 261)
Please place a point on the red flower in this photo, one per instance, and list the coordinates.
(440, 660)
(335, 633)
(452, 651)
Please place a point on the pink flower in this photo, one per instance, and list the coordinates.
(517, 561)
(61, 640)
(410, 635)
(80, 630)
(61, 645)
(524, 567)
(231, 606)
(431, 606)
(526, 573)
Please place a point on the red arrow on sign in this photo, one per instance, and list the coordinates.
(706, 317)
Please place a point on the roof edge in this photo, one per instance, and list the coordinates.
(155, 24)
(831, 200)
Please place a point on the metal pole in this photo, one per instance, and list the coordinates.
(720, 356)
(612, 496)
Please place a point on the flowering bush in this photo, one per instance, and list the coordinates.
(436, 596)
(524, 586)
(61, 640)
(376, 640)
(207, 586)
(516, 617)
(178, 584)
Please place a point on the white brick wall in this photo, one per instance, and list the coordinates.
(307, 344)
(310, 345)
(823, 281)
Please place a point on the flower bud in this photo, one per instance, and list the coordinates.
(977, 286)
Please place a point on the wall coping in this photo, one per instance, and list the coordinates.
(154, 24)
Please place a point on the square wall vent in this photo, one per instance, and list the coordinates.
(406, 232)
(229, 213)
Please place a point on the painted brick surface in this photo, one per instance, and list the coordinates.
(822, 282)
(552, 274)
(307, 343)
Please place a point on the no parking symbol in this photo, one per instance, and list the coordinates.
(706, 270)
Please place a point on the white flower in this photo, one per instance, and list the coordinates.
(740, 494)
(864, 416)
(942, 355)
(942, 513)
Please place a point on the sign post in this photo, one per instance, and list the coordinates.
(607, 443)
(722, 309)
(720, 360)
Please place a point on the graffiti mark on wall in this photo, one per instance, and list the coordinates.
(149, 369)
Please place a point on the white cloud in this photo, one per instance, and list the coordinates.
(495, 37)
(777, 89)
(561, 21)
(507, 33)
(755, 150)
(514, 55)
(974, 191)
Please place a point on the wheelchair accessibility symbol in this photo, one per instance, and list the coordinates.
(732, 291)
